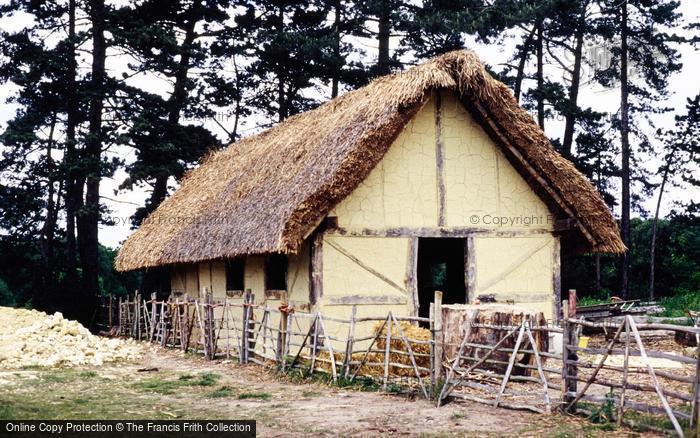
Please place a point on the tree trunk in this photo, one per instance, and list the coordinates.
(652, 252)
(281, 100)
(336, 50)
(47, 231)
(383, 35)
(572, 101)
(524, 55)
(625, 173)
(93, 153)
(540, 76)
(73, 198)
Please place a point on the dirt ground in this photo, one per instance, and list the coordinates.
(166, 384)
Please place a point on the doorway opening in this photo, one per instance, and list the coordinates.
(441, 263)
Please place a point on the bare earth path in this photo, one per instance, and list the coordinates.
(185, 386)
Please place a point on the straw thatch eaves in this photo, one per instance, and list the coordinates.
(266, 193)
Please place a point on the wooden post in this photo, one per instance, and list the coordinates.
(210, 329)
(433, 341)
(154, 311)
(110, 312)
(282, 333)
(387, 352)
(566, 380)
(246, 315)
(625, 371)
(437, 336)
(695, 416)
(572, 303)
(350, 341)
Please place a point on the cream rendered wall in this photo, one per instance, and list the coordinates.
(518, 269)
(184, 279)
(401, 190)
(178, 281)
(481, 186)
(482, 192)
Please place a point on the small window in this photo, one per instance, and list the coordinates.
(234, 274)
(276, 272)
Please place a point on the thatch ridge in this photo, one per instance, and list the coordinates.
(267, 192)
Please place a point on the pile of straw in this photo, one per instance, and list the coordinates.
(374, 364)
(411, 333)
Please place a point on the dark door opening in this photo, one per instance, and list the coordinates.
(440, 267)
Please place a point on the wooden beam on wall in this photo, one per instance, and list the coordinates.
(556, 277)
(347, 300)
(412, 275)
(470, 268)
(439, 159)
(316, 269)
(437, 232)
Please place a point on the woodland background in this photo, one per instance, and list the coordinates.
(106, 89)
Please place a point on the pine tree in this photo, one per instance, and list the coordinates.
(642, 45)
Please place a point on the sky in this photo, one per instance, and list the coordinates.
(122, 204)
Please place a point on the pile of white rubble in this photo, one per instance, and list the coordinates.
(32, 338)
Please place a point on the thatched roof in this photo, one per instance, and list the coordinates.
(267, 192)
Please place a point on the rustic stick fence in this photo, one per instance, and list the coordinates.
(514, 371)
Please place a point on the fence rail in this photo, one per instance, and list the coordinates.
(514, 371)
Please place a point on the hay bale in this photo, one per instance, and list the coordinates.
(412, 333)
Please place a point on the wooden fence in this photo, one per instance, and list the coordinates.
(515, 371)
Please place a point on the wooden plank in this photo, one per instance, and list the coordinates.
(608, 325)
(350, 300)
(439, 159)
(617, 351)
(364, 266)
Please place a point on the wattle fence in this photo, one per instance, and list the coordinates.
(632, 383)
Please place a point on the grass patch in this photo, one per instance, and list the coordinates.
(310, 394)
(88, 374)
(207, 379)
(164, 386)
(676, 305)
(254, 395)
(223, 392)
(55, 378)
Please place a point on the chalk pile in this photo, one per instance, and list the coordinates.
(32, 338)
